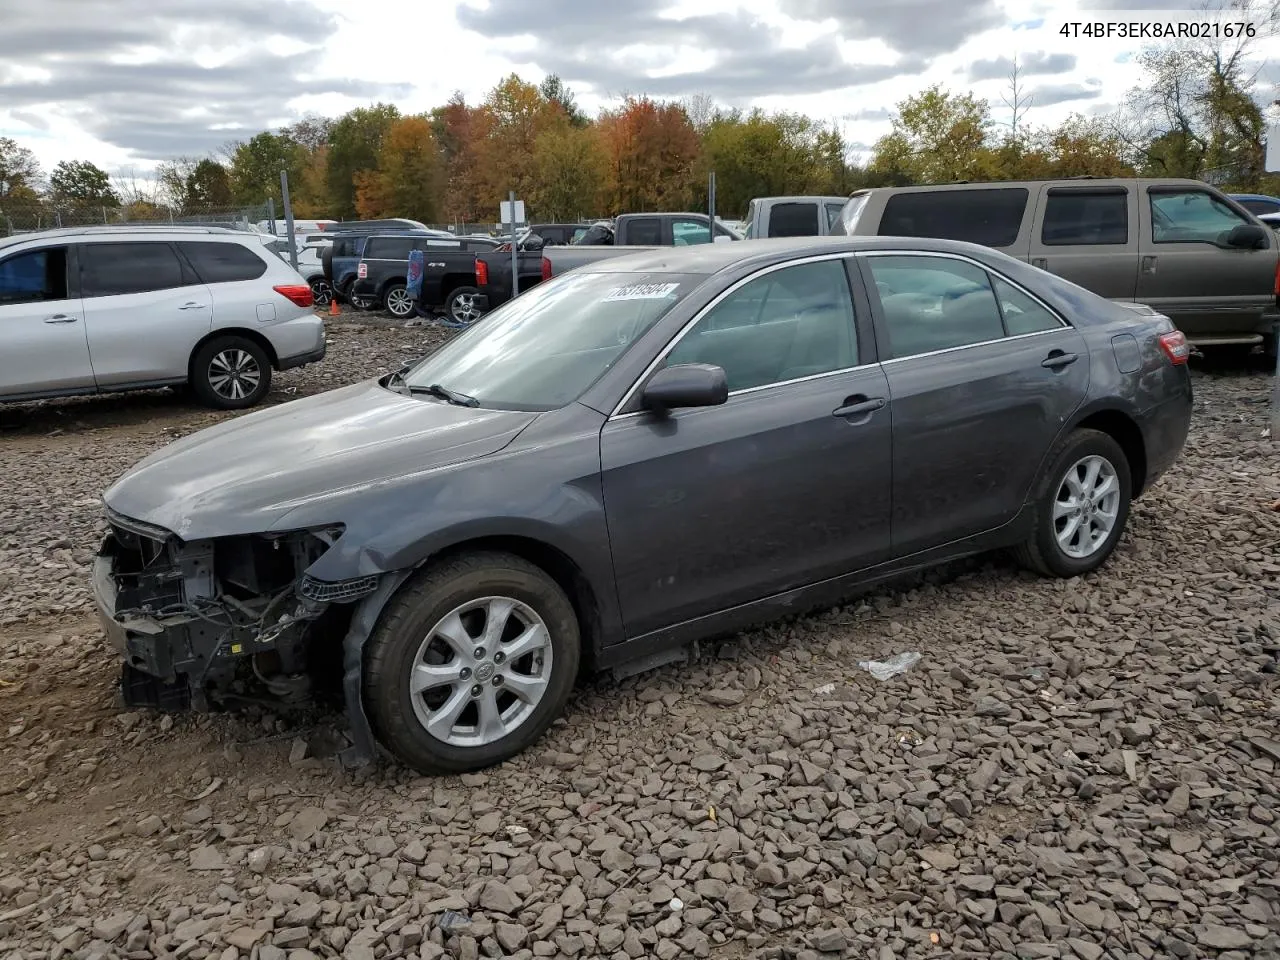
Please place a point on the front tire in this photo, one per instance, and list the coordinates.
(230, 373)
(1081, 507)
(470, 664)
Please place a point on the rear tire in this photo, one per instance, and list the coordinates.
(1079, 519)
(230, 373)
(483, 705)
(460, 306)
(397, 301)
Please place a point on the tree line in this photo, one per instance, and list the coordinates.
(1196, 114)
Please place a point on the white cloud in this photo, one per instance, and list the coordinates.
(120, 87)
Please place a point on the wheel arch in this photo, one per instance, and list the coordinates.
(556, 564)
(252, 335)
(388, 284)
(452, 281)
(1123, 428)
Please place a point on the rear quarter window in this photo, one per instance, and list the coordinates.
(388, 248)
(225, 262)
(992, 217)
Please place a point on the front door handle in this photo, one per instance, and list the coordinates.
(60, 318)
(1057, 360)
(1148, 264)
(193, 306)
(857, 405)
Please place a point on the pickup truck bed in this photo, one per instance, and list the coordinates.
(493, 270)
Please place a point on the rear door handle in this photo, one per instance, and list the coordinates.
(857, 405)
(1057, 360)
(193, 306)
(60, 318)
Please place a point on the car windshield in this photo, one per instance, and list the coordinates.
(544, 348)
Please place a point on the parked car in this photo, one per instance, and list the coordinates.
(793, 217)
(383, 268)
(655, 229)
(631, 457)
(1257, 203)
(1272, 220)
(96, 309)
(1179, 245)
(452, 279)
(559, 233)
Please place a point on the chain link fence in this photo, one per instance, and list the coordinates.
(27, 216)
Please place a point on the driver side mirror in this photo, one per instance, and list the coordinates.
(1247, 236)
(686, 385)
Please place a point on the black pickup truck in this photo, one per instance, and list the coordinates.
(381, 276)
(625, 235)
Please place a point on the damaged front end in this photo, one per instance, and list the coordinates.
(203, 624)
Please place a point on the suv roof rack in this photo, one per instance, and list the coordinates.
(126, 228)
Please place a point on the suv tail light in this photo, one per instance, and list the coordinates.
(482, 273)
(362, 271)
(298, 293)
(546, 269)
(1175, 346)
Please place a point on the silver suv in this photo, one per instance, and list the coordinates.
(102, 309)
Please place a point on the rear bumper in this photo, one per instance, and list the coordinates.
(1164, 429)
(311, 356)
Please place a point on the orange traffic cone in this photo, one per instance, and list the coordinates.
(334, 309)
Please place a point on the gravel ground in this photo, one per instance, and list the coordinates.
(1072, 769)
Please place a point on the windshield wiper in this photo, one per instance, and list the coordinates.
(459, 399)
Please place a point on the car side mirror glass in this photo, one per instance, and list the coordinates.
(1247, 236)
(721, 238)
(686, 385)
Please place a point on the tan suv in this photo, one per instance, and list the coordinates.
(1180, 246)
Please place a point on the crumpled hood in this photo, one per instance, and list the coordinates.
(245, 475)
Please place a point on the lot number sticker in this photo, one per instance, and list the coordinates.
(643, 291)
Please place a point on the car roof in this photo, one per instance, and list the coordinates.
(131, 232)
(1253, 196)
(709, 258)
(1083, 182)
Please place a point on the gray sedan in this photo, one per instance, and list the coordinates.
(633, 456)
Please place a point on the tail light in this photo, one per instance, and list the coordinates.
(482, 274)
(298, 293)
(362, 271)
(546, 269)
(1175, 346)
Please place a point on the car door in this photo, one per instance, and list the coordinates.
(1089, 235)
(233, 275)
(43, 348)
(785, 484)
(1187, 274)
(144, 311)
(982, 376)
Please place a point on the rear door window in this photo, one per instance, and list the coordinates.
(992, 217)
(1083, 217)
(793, 220)
(34, 276)
(935, 303)
(388, 248)
(116, 269)
(226, 262)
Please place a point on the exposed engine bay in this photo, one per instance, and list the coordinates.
(207, 623)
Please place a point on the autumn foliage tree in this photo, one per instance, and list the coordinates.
(407, 179)
(651, 155)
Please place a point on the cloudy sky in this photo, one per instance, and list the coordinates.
(131, 82)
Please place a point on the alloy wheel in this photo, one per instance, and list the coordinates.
(234, 374)
(464, 309)
(481, 671)
(399, 303)
(1086, 507)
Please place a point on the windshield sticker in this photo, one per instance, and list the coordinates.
(643, 291)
